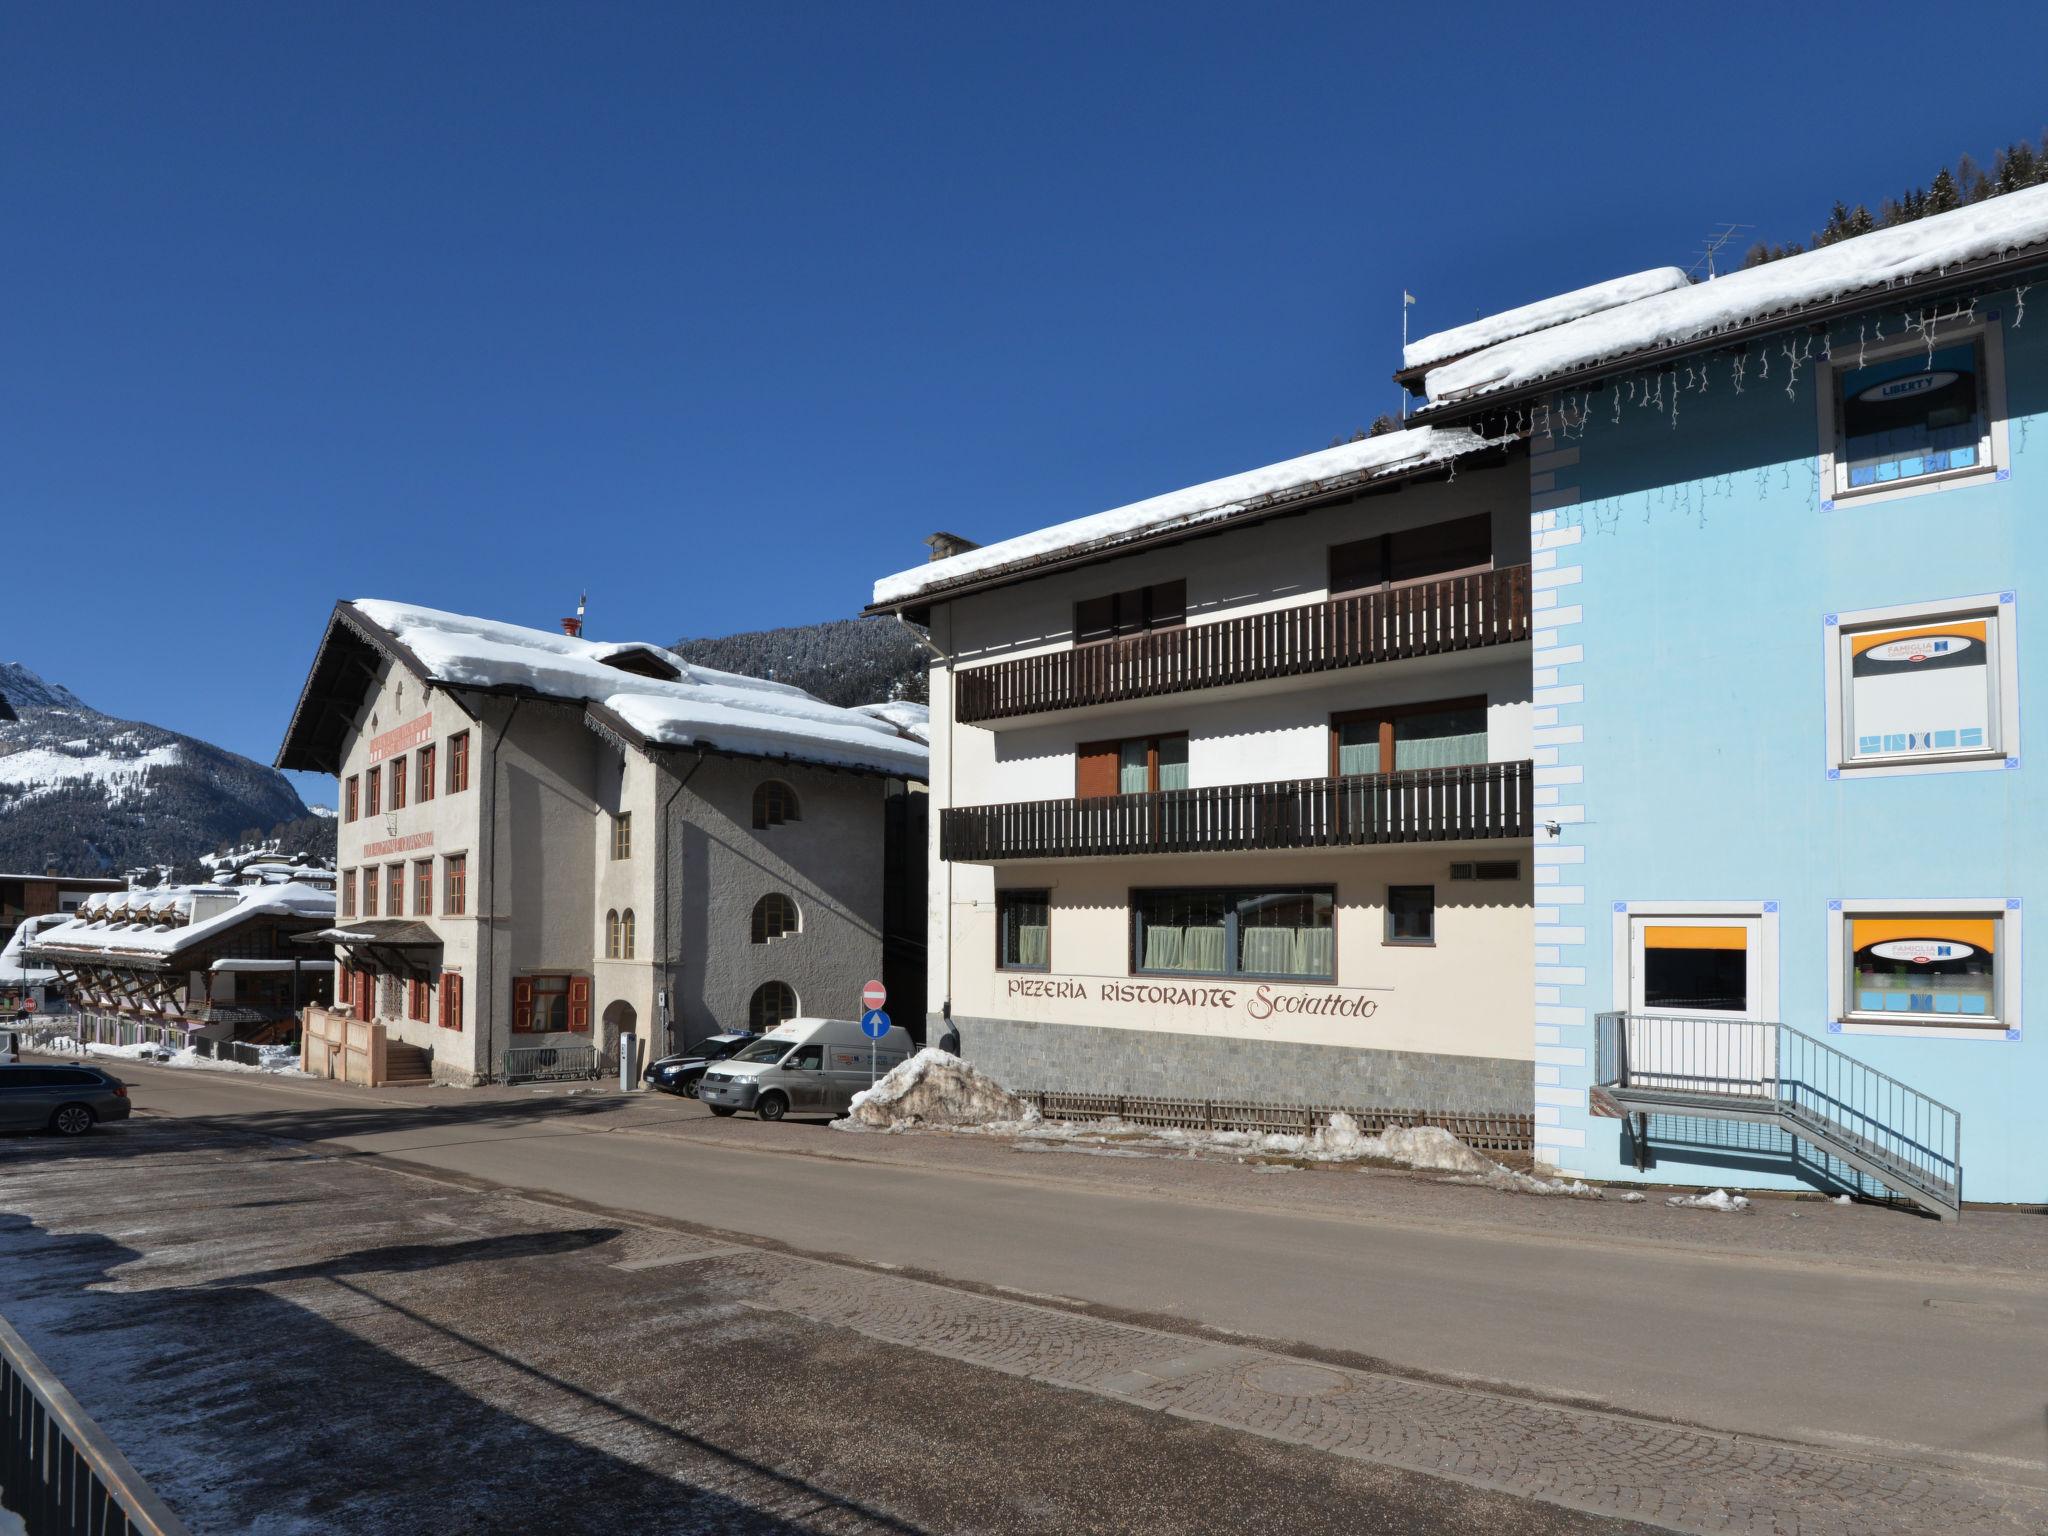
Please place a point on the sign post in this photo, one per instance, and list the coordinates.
(873, 1022)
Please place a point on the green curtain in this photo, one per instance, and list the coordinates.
(1133, 776)
(1173, 762)
(1440, 739)
(1358, 747)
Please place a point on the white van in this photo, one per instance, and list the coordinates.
(802, 1067)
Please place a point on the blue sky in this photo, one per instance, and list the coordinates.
(718, 311)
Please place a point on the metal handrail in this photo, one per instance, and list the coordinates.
(548, 1063)
(58, 1469)
(1868, 1111)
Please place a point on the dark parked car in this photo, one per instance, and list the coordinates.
(69, 1100)
(679, 1073)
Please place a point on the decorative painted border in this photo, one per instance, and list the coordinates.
(1840, 909)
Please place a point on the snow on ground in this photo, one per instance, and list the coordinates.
(45, 770)
(701, 707)
(1719, 1200)
(936, 1089)
(1388, 454)
(1540, 316)
(1865, 264)
(278, 1060)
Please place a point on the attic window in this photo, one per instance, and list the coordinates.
(642, 663)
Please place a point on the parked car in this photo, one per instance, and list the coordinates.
(802, 1067)
(679, 1073)
(69, 1100)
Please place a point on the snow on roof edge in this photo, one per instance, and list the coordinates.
(1389, 453)
(1871, 263)
(1542, 314)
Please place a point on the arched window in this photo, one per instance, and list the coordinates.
(626, 934)
(774, 915)
(773, 1002)
(611, 935)
(774, 803)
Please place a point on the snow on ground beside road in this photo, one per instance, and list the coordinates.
(1719, 1200)
(278, 1060)
(935, 1087)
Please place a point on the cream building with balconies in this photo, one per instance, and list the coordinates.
(1234, 787)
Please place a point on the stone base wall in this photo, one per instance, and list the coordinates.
(1081, 1058)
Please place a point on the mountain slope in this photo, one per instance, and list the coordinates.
(87, 793)
(842, 661)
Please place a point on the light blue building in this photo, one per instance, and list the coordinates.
(1788, 525)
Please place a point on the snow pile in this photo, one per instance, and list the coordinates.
(1540, 316)
(1391, 453)
(913, 720)
(1719, 1200)
(687, 706)
(936, 1087)
(1865, 264)
(1633, 1197)
(276, 1059)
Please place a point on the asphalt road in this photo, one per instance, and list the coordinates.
(1948, 1366)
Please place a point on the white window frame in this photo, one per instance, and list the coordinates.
(1995, 451)
(1765, 1002)
(2000, 610)
(2006, 1026)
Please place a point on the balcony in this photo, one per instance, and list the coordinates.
(1455, 613)
(1420, 805)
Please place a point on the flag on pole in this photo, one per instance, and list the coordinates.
(1407, 298)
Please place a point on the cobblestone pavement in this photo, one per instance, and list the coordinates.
(616, 1359)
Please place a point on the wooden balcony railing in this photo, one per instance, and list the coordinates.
(1455, 613)
(1419, 805)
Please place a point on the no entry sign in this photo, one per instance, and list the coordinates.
(873, 995)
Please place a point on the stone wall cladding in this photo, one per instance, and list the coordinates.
(1082, 1058)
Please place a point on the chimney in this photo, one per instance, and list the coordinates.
(946, 545)
(573, 626)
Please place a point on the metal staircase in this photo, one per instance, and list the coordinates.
(1772, 1074)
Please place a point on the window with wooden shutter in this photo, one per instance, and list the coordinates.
(1455, 548)
(458, 762)
(579, 1003)
(457, 902)
(373, 790)
(1095, 769)
(451, 1001)
(369, 890)
(394, 880)
(522, 1004)
(427, 772)
(348, 893)
(1132, 767)
(423, 888)
(349, 798)
(398, 767)
(1163, 605)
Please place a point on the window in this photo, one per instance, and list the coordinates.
(1455, 548)
(611, 934)
(451, 1001)
(1488, 869)
(423, 888)
(348, 893)
(398, 765)
(373, 789)
(550, 1004)
(458, 762)
(1696, 967)
(391, 1001)
(774, 803)
(1411, 914)
(1023, 930)
(1923, 689)
(626, 934)
(348, 798)
(622, 835)
(419, 1001)
(426, 774)
(1911, 414)
(369, 890)
(394, 885)
(1439, 735)
(1163, 605)
(1287, 935)
(1942, 968)
(772, 1003)
(1133, 767)
(774, 915)
(456, 901)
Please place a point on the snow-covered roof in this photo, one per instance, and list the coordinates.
(15, 971)
(166, 919)
(913, 720)
(1539, 316)
(1391, 453)
(701, 707)
(1865, 264)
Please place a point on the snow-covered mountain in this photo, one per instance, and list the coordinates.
(86, 792)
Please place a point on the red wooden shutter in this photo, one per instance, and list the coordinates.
(579, 1003)
(522, 1003)
(451, 1002)
(1095, 771)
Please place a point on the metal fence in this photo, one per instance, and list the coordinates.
(1505, 1131)
(228, 1050)
(547, 1063)
(58, 1472)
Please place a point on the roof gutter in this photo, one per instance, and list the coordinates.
(1990, 274)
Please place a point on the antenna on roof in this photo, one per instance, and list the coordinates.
(573, 626)
(1407, 299)
(1718, 237)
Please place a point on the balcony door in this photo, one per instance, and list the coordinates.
(1699, 1009)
